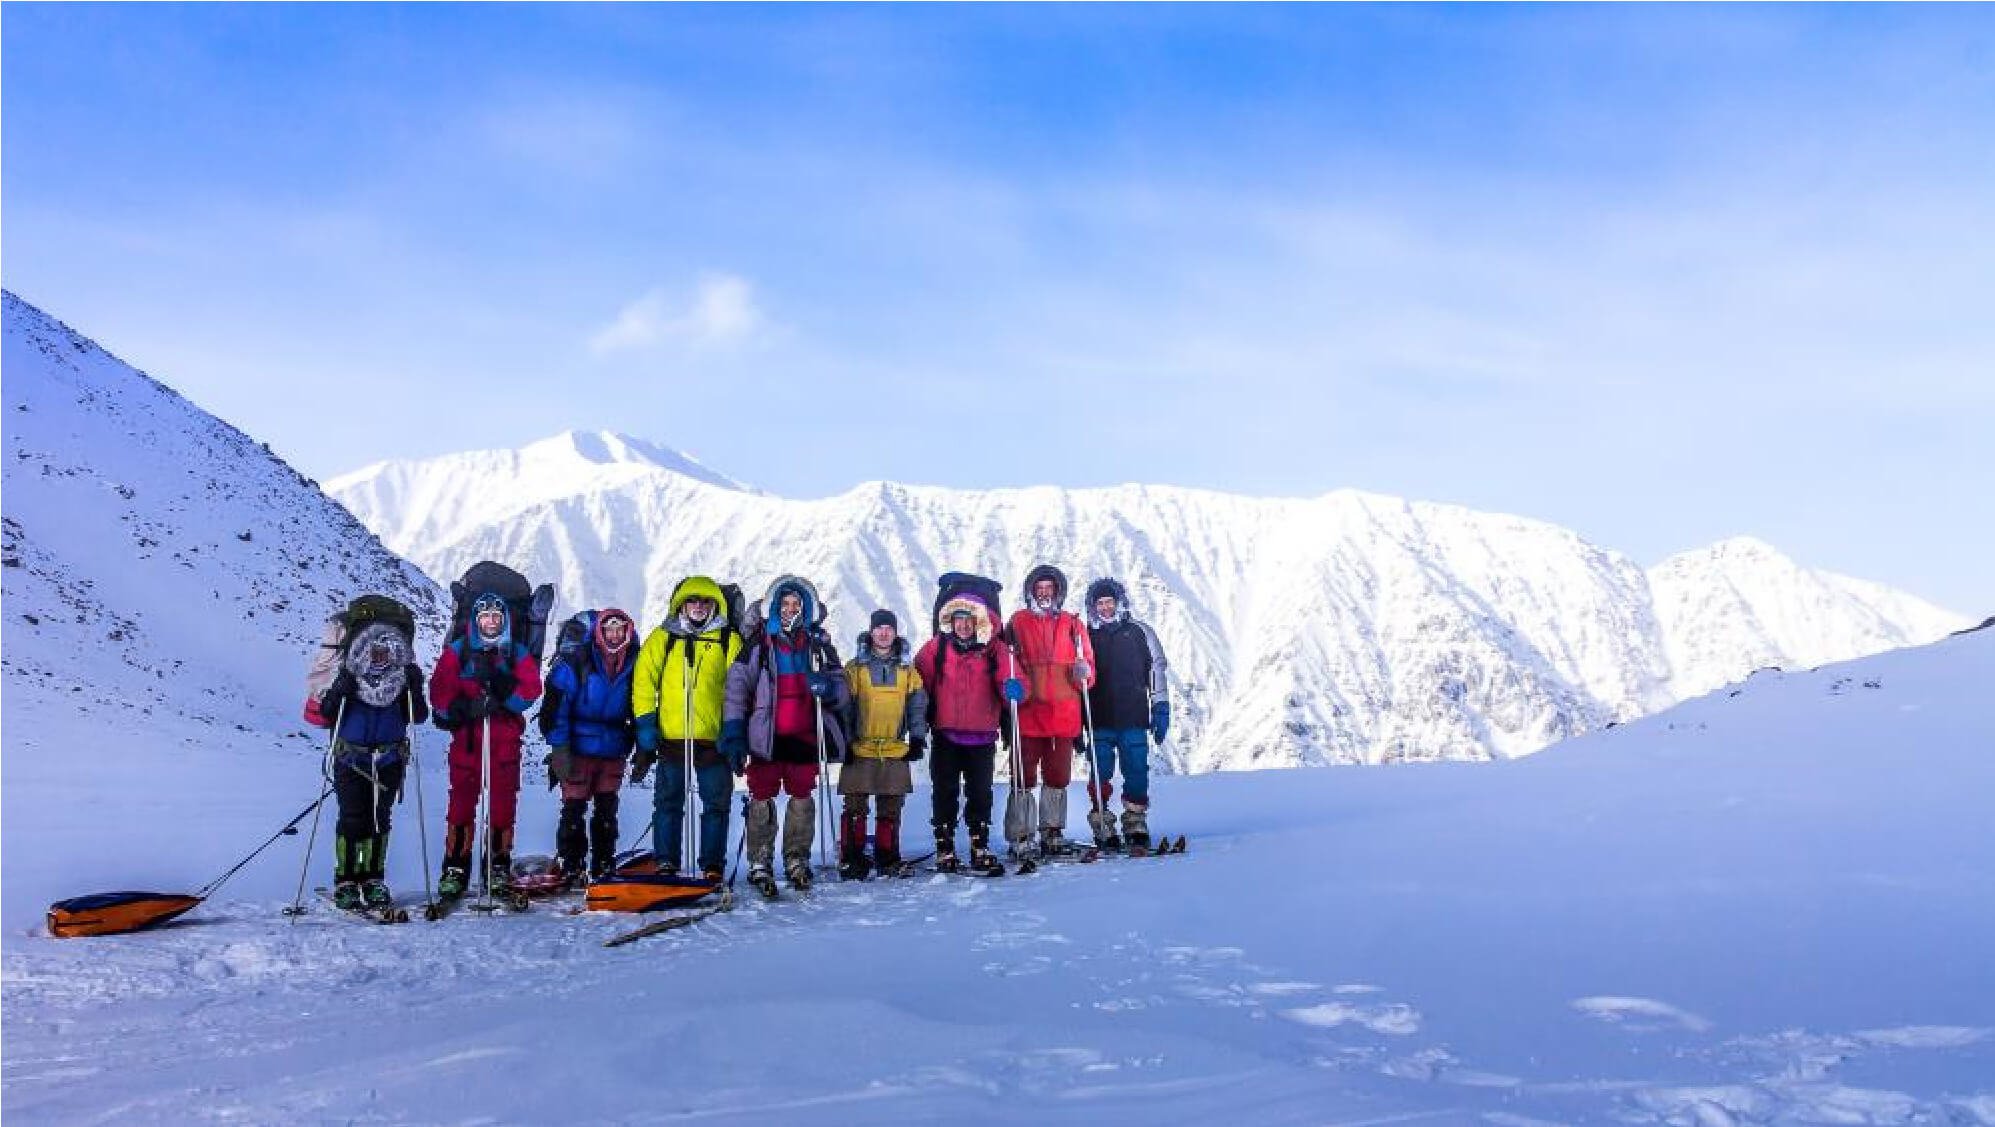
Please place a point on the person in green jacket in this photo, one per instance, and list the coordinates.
(676, 695)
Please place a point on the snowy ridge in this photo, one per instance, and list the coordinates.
(1347, 628)
(150, 547)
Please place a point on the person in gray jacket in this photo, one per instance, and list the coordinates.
(786, 695)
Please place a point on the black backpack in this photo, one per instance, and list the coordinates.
(369, 609)
(527, 606)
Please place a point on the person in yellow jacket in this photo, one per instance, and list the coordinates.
(676, 695)
(889, 726)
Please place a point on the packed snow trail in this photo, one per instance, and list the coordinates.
(1773, 907)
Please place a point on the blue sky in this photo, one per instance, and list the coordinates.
(1659, 274)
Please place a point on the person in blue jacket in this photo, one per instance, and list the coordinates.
(377, 694)
(587, 719)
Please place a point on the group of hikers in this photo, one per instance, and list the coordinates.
(727, 692)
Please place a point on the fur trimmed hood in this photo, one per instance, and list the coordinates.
(1098, 589)
(1045, 571)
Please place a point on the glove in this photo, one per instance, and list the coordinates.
(342, 687)
(734, 745)
(1014, 690)
(413, 674)
(557, 766)
(821, 685)
(501, 685)
(647, 733)
(1082, 671)
(1160, 720)
(916, 748)
(640, 764)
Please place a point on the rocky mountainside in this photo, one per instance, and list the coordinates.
(156, 557)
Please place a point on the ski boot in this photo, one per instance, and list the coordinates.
(1106, 838)
(712, 874)
(946, 860)
(374, 893)
(454, 881)
(983, 862)
(853, 864)
(1136, 827)
(799, 874)
(763, 881)
(347, 896)
(1052, 842)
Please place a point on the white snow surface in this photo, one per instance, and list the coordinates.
(1768, 906)
(1347, 628)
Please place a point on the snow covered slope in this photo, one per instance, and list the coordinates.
(156, 557)
(1344, 628)
(1770, 906)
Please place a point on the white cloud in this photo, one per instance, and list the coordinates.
(720, 311)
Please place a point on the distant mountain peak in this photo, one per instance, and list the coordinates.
(614, 448)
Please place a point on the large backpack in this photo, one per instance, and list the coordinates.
(527, 606)
(340, 629)
(571, 646)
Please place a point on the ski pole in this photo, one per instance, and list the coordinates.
(687, 834)
(1017, 739)
(823, 770)
(422, 820)
(1097, 801)
(326, 771)
(486, 903)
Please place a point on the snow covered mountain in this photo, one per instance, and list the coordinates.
(1344, 628)
(1740, 605)
(150, 547)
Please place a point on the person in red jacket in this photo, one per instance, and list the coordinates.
(969, 674)
(484, 682)
(1058, 663)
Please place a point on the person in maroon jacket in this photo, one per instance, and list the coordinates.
(970, 676)
(484, 682)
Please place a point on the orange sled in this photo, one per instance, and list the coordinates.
(110, 913)
(646, 893)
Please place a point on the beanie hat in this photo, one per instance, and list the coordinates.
(885, 618)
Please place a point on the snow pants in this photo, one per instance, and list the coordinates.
(1053, 755)
(1131, 748)
(464, 785)
(366, 786)
(715, 784)
(366, 783)
(965, 774)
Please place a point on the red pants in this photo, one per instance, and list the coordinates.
(464, 766)
(766, 778)
(589, 776)
(1053, 753)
